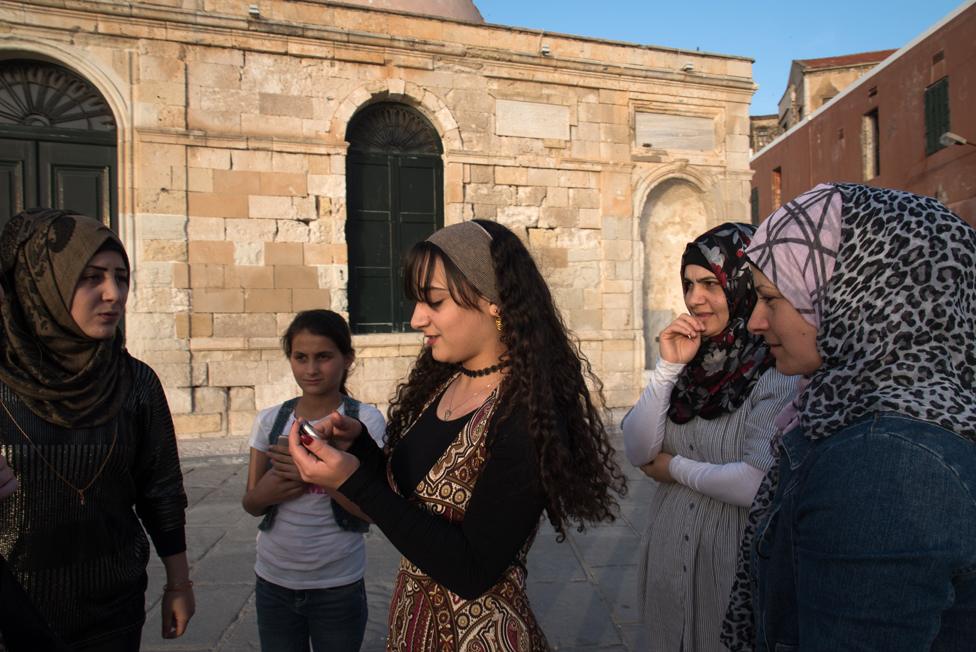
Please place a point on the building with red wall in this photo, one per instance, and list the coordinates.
(885, 128)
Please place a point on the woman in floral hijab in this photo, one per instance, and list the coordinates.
(702, 429)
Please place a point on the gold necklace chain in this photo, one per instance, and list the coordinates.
(450, 407)
(82, 490)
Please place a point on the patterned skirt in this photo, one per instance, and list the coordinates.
(426, 617)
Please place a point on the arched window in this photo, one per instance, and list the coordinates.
(57, 142)
(394, 198)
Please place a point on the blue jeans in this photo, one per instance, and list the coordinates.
(871, 542)
(334, 620)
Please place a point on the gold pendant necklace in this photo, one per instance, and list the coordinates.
(450, 408)
(80, 491)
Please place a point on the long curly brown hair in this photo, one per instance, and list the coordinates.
(547, 377)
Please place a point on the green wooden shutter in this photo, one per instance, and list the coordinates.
(936, 114)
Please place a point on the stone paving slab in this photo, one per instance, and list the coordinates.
(583, 589)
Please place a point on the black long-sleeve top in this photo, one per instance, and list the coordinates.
(468, 557)
(83, 565)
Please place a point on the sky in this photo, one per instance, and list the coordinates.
(772, 33)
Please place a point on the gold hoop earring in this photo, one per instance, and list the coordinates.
(498, 323)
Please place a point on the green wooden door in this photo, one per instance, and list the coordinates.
(57, 142)
(394, 199)
(393, 202)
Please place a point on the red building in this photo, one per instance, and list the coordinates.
(889, 127)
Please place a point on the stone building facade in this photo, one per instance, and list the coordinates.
(229, 186)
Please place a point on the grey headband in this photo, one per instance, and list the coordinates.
(468, 245)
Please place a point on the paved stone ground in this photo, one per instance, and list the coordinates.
(583, 590)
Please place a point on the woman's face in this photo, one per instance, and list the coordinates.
(705, 299)
(99, 300)
(317, 363)
(454, 333)
(791, 338)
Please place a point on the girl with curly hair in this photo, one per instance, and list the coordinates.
(494, 425)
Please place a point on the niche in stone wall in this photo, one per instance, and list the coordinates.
(673, 215)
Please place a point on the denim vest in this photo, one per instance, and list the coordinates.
(345, 520)
(870, 543)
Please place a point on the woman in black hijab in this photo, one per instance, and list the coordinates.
(87, 431)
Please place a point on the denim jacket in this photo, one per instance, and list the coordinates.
(871, 541)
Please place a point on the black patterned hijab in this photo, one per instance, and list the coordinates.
(897, 325)
(63, 376)
(721, 375)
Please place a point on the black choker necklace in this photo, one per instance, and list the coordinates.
(484, 372)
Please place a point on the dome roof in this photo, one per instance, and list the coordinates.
(463, 10)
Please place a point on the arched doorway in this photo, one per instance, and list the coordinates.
(394, 198)
(57, 142)
(673, 215)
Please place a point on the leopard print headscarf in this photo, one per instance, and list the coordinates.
(897, 333)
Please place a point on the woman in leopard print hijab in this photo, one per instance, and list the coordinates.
(864, 535)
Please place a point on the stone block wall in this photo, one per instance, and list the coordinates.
(232, 166)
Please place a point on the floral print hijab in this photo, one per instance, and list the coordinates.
(722, 373)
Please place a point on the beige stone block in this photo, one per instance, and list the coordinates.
(557, 198)
(205, 157)
(159, 68)
(584, 198)
(206, 204)
(550, 258)
(163, 250)
(210, 344)
(208, 300)
(587, 150)
(240, 422)
(275, 208)
(575, 179)
(201, 324)
(237, 373)
(615, 152)
(488, 193)
(205, 228)
(480, 174)
(199, 180)
(311, 299)
(283, 253)
(209, 399)
(259, 300)
(244, 325)
(241, 399)
(320, 165)
(615, 194)
(580, 320)
(249, 276)
(330, 185)
(531, 195)
(295, 276)
(589, 218)
(276, 104)
(291, 231)
(618, 249)
(249, 230)
(178, 399)
(283, 183)
(214, 75)
(518, 216)
(556, 217)
(542, 177)
(153, 274)
(253, 159)
(511, 176)
(318, 254)
(214, 122)
(255, 124)
(617, 318)
(587, 131)
(197, 424)
(210, 252)
(161, 92)
(181, 274)
(249, 253)
(242, 182)
(206, 276)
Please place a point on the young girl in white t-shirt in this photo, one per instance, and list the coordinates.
(310, 550)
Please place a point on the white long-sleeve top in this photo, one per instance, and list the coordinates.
(644, 430)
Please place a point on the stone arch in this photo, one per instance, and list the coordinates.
(675, 210)
(116, 93)
(397, 90)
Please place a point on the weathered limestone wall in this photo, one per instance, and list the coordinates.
(232, 172)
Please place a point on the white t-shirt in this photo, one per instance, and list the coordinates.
(306, 548)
